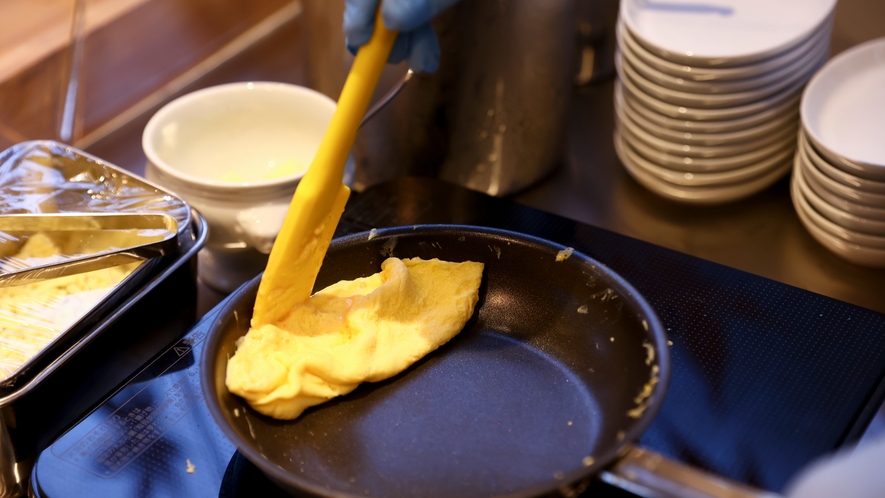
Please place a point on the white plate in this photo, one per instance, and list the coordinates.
(834, 214)
(759, 135)
(726, 33)
(843, 109)
(852, 194)
(686, 179)
(710, 100)
(704, 151)
(850, 236)
(766, 120)
(851, 252)
(682, 162)
(721, 74)
(835, 173)
(684, 112)
(814, 53)
(702, 195)
(835, 200)
(773, 153)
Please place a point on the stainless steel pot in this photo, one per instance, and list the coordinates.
(492, 118)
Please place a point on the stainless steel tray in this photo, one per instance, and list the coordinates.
(47, 176)
(106, 353)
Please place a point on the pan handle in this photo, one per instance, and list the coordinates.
(652, 475)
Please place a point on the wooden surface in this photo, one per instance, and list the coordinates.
(131, 50)
(32, 30)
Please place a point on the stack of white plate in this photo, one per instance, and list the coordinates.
(707, 102)
(838, 183)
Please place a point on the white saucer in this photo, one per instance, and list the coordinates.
(698, 114)
(710, 100)
(724, 34)
(849, 206)
(851, 252)
(812, 55)
(850, 236)
(834, 214)
(835, 173)
(759, 135)
(780, 149)
(843, 110)
(872, 199)
(720, 74)
(687, 179)
(787, 133)
(763, 120)
(701, 195)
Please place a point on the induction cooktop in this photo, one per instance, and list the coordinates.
(766, 377)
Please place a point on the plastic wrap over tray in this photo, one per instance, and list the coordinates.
(40, 319)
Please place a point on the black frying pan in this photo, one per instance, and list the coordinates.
(533, 396)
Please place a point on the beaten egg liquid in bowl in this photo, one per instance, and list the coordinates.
(272, 171)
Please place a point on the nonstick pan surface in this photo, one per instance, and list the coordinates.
(538, 393)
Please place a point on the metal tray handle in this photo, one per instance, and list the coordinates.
(160, 243)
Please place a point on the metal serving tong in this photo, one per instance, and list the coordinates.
(159, 240)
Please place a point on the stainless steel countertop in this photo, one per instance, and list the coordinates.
(761, 235)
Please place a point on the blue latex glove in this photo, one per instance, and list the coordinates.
(416, 42)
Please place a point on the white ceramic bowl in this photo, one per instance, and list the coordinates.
(699, 114)
(854, 253)
(847, 179)
(711, 100)
(785, 133)
(760, 135)
(688, 179)
(765, 120)
(843, 110)
(834, 214)
(714, 35)
(806, 58)
(236, 152)
(700, 195)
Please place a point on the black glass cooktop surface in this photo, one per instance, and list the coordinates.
(766, 377)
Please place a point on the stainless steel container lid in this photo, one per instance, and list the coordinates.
(62, 279)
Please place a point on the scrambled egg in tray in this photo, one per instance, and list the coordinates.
(32, 315)
(50, 177)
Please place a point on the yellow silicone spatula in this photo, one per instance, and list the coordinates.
(319, 200)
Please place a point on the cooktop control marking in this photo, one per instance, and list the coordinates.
(141, 420)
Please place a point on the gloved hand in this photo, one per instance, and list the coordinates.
(416, 42)
(854, 471)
